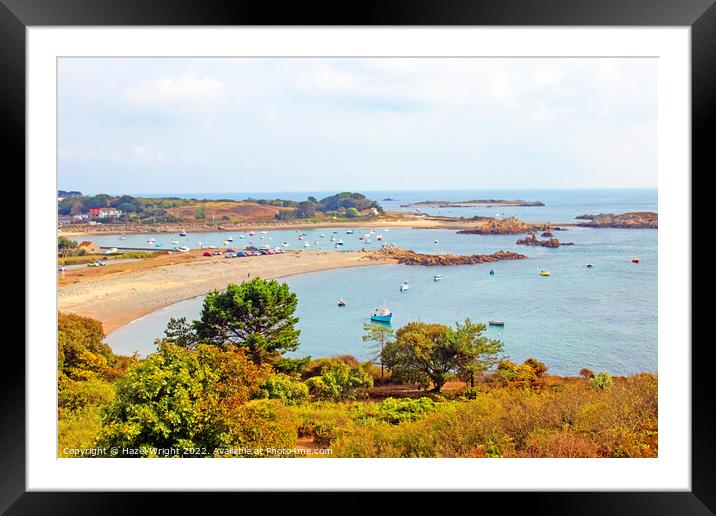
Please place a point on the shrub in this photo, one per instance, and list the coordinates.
(586, 373)
(528, 375)
(284, 388)
(394, 411)
(338, 381)
(601, 381)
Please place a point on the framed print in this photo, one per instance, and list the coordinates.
(416, 250)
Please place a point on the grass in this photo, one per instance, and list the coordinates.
(77, 260)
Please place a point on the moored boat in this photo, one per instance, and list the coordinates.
(404, 286)
(635, 260)
(381, 315)
(437, 277)
(494, 322)
(341, 302)
(544, 273)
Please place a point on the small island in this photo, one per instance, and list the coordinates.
(507, 226)
(474, 203)
(532, 240)
(630, 220)
(410, 257)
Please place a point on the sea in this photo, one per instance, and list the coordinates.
(603, 318)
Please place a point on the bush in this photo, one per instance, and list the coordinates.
(338, 381)
(601, 381)
(284, 388)
(528, 375)
(394, 411)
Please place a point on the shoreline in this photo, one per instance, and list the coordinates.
(122, 294)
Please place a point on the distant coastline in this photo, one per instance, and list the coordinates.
(474, 203)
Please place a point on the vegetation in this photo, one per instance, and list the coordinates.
(219, 387)
(173, 209)
(425, 354)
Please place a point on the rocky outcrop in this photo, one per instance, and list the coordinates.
(507, 226)
(630, 220)
(532, 240)
(546, 234)
(408, 257)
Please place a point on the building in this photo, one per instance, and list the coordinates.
(89, 247)
(104, 213)
(80, 216)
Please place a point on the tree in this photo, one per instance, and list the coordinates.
(256, 315)
(426, 353)
(81, 354)
(181, 398)
(338, 381)
(477, 353)
(422, 353)
(601, 381)
(64, 245)
(381, 335)
(528, 375)
(181, 333)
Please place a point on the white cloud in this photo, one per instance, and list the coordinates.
(187, 89)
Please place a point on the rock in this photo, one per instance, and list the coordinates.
(507, 226)
(532, 240)
(409, 257)
(630, 220)
(546, 234)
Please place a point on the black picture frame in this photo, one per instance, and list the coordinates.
(700, 15)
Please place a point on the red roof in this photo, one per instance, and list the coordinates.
(94, 211)
(86, 242)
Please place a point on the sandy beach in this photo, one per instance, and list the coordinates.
(120, 294)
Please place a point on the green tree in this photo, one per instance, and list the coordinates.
(256, 315)
(181, 332)
(476, 352)
(381, 335)
(422, 353)
(182, 398)
(200, 213)
(65, 245)
(601, 381)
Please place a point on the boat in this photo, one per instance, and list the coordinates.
(341, 302)
(544, 273)
(175, 242)
(492, 272)
(435, 242)
(379, 237)
(242, 236)
(404, 286)
(589, 266)
(496, 323)
(368, 241)
(182, 233)
(182, 249)
(306, 244)
(339, 242)
(386, 229)
(230, 238)
(381, 315)
(264, 232)
(252, 233)
(635, 260)
(123, 237)
(349, 232)
(437, 277)
(285, 244)
(322, 235)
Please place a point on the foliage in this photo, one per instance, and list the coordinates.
(181, 333)
(292, 366)
(528, 375)
(183, 398)
(393, 411)
(503, 422)
(381, 335)
(601, 381)
(81, 353)
(284, 388)
(256, 315)
(338, 380)
(425, 353)
(65, 245)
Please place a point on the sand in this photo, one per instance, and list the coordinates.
(120, 294)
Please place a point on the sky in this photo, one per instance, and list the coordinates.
(154, 125)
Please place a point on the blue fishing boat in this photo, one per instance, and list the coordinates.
(381, 315)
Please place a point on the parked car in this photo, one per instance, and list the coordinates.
(229, 255)
(207, 253)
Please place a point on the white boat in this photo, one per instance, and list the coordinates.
(339, 242)
(242, 236)
(252, 233)
(317, 242)
(306, 244)
(435, 242)
(322, 235)
(333, 239)
(349, 232)
(367, 241)
(404, 286)
(182, 233)
(182, 249)
(379, 237)
(264, 232)
(381, 315)
(372, 231)
(230, 238)
(226, 243)
(437, 277)
(175, 242)
(285, 244)
(386, 229)
(151, 241)
(123, 237)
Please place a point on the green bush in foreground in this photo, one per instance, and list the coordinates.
(601, 381)
(284, 388)
(339, 381)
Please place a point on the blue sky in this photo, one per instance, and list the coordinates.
(260, 125)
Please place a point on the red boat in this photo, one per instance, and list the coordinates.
(635, 260)
(341, 302)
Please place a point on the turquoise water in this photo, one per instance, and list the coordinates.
(603, 318)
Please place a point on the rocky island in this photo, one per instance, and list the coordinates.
(409, 257)
(630, 220)
(507, 226)
(474, 203)
(532, 240)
